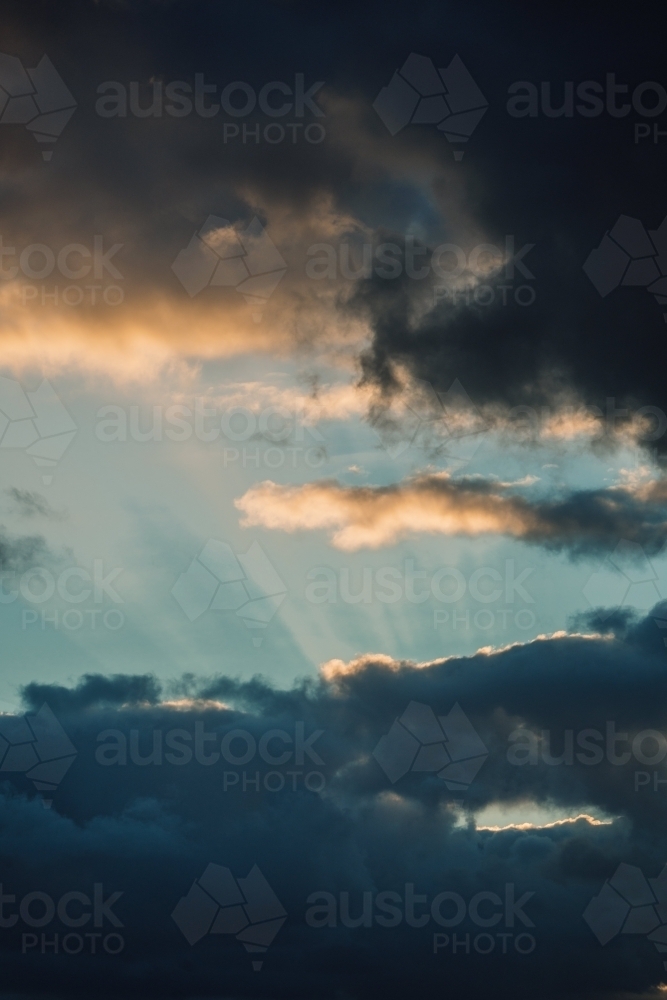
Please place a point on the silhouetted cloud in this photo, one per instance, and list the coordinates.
(157, 792)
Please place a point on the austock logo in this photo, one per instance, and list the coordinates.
(391, 908)
(628, 578)
(420, 94)
(219, 580)
(225, 256)
(36, 422)
(420, 741)
(39, 909)
(629, 903)
(431, 419)
(37, 746)
(218, 903)
(629, 256)
(37, 98)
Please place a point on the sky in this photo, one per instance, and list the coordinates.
(333, 502)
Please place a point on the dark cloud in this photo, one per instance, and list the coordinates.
(22, 552)
(617, 621)
(529, 178)
(532, 178)
(148, 829)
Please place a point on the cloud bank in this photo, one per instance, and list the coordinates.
(169, 779)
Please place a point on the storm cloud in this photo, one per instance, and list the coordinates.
(525, 180)
(169, 779)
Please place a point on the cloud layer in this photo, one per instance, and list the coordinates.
(167, 780)
(582, 522)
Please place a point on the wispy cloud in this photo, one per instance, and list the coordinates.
(582, 522)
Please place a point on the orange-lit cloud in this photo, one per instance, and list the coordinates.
(435, 503)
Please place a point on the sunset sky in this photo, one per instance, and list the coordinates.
(332, 409)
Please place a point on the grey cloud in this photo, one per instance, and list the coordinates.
(149, 830)
(31, 504)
